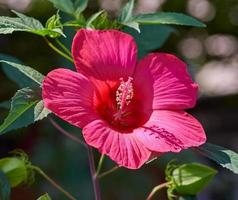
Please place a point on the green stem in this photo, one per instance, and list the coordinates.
(58, 50)
(156, 189)
(99, 167)
(63, 47)
(108, 172)
(56, 185)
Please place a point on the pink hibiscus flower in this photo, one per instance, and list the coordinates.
(127, 109)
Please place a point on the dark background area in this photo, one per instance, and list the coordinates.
(212, 55)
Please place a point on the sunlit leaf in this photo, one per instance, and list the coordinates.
(26, 105)
(40, 112)
(168, 18)
(29, 72)
(54, 22)
(192, 178)
(24, 23)
(14, 74)
(126, 16)
(15, 170)
(53, 33)
(5, 187)
(133, 25)
(20, 23)
(127, 11)
(224, 157)
(29, 22)
(26, 108)
(54, 26)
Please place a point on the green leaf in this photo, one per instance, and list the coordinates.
(54, 22)
(31, 22)
(74, 23)
(126, 13)
(103, 22)
(32, 74)
(15, 170)
(126, 16)
(99, 21)
(14, 74)
(222, 156)
(151, 37)
(75, 9)
(26, 105)
(168, 18)
(26, 108)
(79, 22)
(44, 197)
(24, 23)
(40, 112)
(53, 33)
(54, 26)
(20, 23)
(37, 27)
(133, 25)
(64, 5)
(80, 6)
(89, 22)
(191, 178)
(5, 187)
(191, 197)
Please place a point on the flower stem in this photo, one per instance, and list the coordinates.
(56, 185)
(58, 50)
(108, 172)
(66, 133)
(90, 157)
(156, 189)
(93, 174)
(100, 164)
(63, 47)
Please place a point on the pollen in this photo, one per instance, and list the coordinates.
(124, 93)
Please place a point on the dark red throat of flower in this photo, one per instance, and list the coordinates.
(120, 105)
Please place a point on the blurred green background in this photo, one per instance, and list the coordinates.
(212, 55)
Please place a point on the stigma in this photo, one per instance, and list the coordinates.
(124, 93)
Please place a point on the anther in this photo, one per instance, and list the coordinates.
(124, 93)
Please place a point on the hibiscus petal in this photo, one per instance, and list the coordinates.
(104, 54)
(171, 131)
(124, 149)
(70, 96)
(164, 78)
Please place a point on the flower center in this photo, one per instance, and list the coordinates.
(124, 93)
(121, 105)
